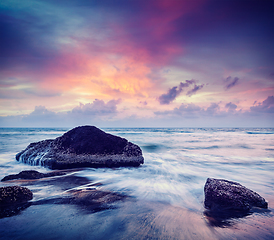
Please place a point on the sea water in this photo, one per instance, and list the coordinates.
(177, 162)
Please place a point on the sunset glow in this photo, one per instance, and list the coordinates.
(137, 63)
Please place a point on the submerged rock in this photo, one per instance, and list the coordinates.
(85, 146)
(88, 199)
(31, 174)
(14, 195)
(223, 195)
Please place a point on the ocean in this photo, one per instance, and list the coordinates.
(166, 193)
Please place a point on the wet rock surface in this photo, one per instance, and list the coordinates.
(14, 194)
(14, 199)
(31, 174)
(72, 206)
(223, 195)
(85, 146)
(70, 189)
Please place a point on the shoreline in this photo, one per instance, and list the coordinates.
(127, 220)
(164, 196)
(57, 217)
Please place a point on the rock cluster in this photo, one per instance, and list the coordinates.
(223, 195)
(85, 146)
(90, 197)
(14, 195)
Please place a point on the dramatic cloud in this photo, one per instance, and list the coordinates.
(231, 106)
(213, 109)
(59, 53)
(231, 82)
(194, 111)
(104, 114)
(174, 92)
(41, 111)
(267, 106)
(187, 83)
(195, 89)
(97, 108)
(187, 110)
(41, 117)
(93, 113)
(170, 96)
(218, 114)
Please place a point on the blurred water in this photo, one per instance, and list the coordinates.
(177, 161)
(167, 190)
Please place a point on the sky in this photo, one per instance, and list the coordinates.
(137, 63)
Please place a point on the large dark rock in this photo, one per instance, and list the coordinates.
(31, 174)
(14, 195)
(223, 195)
(85, 146)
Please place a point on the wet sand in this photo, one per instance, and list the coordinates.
(63, 208)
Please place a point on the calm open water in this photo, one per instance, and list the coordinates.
(167, 190)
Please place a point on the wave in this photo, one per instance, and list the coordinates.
(152, 148)
(219, 147)
(260, 132)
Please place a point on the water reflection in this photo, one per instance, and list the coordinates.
(12, 210)
(223, 219)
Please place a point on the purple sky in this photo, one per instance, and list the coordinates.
(153, 63)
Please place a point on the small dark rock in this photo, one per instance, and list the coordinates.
(14, 194)
(13, 200)
(31, 174)
(223, 195)
(85, 146)
(65, 182)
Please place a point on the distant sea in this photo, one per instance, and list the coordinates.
(167, 189)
